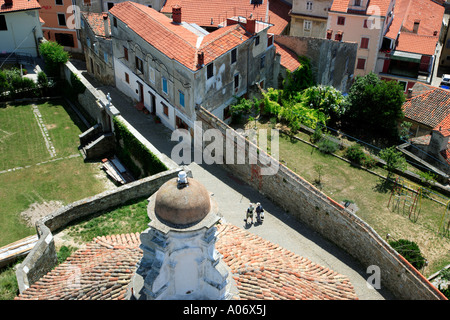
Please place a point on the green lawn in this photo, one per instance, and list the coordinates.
(342, 181)
(42, 178)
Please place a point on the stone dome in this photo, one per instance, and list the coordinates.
(181, 201)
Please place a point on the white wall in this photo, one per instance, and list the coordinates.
(19, 34)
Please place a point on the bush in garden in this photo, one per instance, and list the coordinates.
(410, 251)
(326, 145)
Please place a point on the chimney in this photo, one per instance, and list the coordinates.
(251, 24)
(176, 14)
(409, 94)
(200, 59)
(106, 24)
(329, 34)
(416, 26)
(8, 2)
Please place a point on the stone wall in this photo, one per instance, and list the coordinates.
(330, 219)
(332, 61)
(42, 258)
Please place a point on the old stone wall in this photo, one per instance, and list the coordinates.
(332, 61)
(325, 216)
(42, 258)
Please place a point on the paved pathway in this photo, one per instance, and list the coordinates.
(233, 197)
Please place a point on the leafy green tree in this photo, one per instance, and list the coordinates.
(410, 251)
(54, 55)
(327, 99)
(394, 159)
(376, 105)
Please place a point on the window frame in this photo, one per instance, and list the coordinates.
(210, 70)
(3, 24)
(127, 78)
(181, 98)
(358, 61)
(340, 21)
(309, 5)
(305, 23)
(164, 83)
(233, 56)
(364, 41)
(59, 15)
(139, 64)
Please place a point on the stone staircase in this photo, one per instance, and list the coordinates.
(96, 144)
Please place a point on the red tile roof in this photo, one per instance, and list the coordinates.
(211, 13)
(96, 22)
(430, 108)
(406, 12)
(260, 269)
(289, 58)
(343, 6)
(410, 42)
(19, 5)
(174, 40)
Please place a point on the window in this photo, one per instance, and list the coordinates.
(59, 2)
(257, 40)
(262, 61)
(364, 43)
(127, 78)
(165, 109)
(357, 3)
(361, 65)
(125, 53)
(309, 5)
(139, 64)
(236, 81)
(65, 39)
(181, 95)
(210, 70)
(341, 21)
(115, 22)
(3, 25)
(164, 85)
(365, 25)
(151, 74)
(307, 25)
(233, 55)
(87, 2)
(110, 5)
(61, 19)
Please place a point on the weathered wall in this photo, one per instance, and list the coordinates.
(330, 219)
(42, 257)
(332, 61)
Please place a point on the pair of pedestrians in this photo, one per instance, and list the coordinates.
(259, 213)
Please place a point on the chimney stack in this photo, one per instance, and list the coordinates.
(106, 24)
(251, 24)
(176, 14)
(200, 59)
(410, 91)
(8, 2)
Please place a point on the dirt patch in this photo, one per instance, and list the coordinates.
(38, 210)
(50, 126)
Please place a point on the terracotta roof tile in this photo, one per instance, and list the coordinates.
(289, 59)
(261, 270)
(19, 5)
(96, 22)
(430, 108)
(415, 43)
(342, 6)
(174, 40)
(207, 13)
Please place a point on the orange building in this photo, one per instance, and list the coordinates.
(60, 23)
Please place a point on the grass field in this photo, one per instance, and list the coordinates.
(342, 181)
(30, 173)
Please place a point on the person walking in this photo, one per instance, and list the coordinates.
(249, 214)
(259, 213)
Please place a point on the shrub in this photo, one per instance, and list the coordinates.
(394, 159)
(355, 153)
(326, 145)
(54, 55)
(410, 251)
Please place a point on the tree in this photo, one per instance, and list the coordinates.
(410, 251)
(298, 80)
(327, 99)
(54, 55)
(394, 159)
(376, 105)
